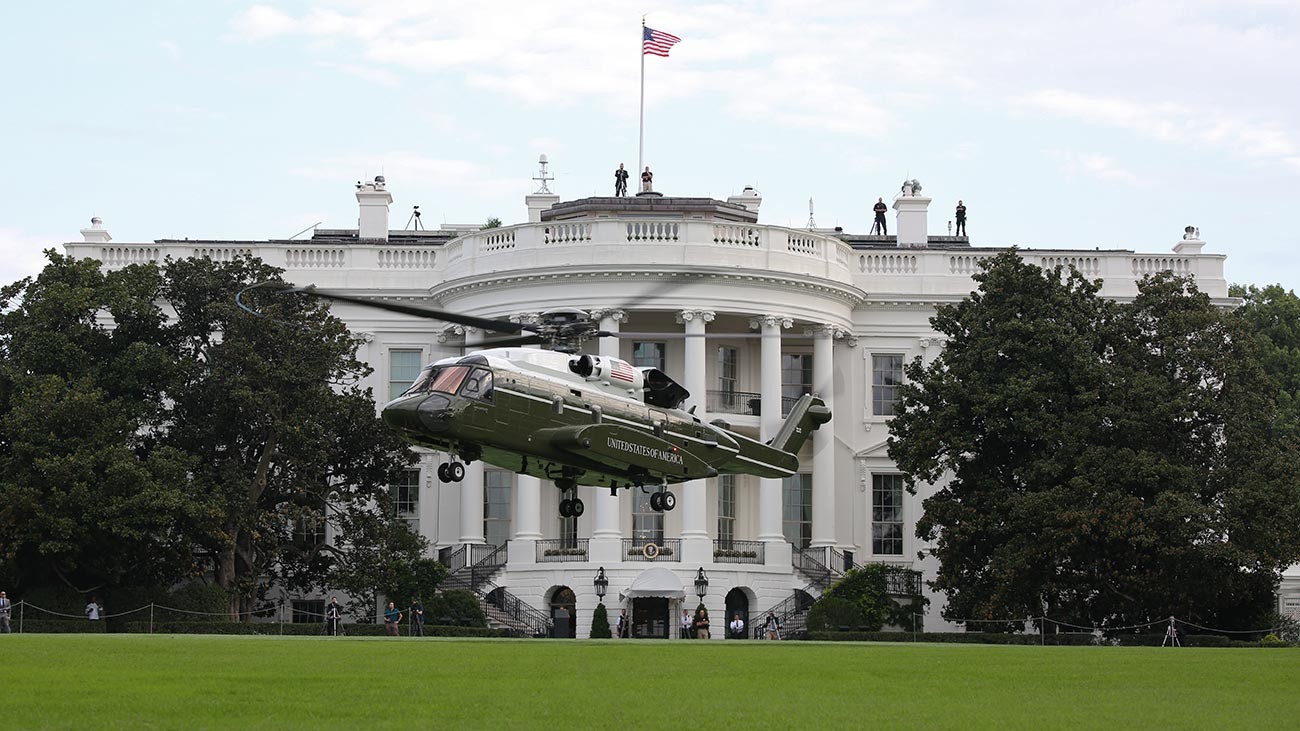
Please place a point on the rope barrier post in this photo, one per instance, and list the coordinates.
(282, 616)
(20, 615)
(1042, 631)
(150, 617)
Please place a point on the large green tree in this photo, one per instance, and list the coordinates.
(152, 430)
(282, 434)
(86, 500)
(1273, 314)
(1104, 463)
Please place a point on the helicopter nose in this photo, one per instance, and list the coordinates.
(429, 414)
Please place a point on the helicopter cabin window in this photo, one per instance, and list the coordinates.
(405, 491)
(448, 379)
(796, 509)
(478, 385)
(647, 523)
(649, 355)
(796, 378)
(496, 506)
(403, 368)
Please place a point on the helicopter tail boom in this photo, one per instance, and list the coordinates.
(808, 413)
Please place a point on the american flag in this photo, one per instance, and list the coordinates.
(656, 42)
(621, 370)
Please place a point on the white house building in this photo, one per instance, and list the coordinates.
(835, 313)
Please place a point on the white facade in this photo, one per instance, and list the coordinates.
(857, 307)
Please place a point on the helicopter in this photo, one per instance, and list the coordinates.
(573, 418)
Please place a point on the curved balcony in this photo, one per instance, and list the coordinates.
(655, 243)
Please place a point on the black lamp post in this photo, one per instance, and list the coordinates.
(701, 584)
(601, 583)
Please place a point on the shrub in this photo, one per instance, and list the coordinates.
(832, 612)
(600, 623)
(456, 608)
(1272, 640)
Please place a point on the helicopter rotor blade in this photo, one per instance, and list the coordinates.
(511, 342)
(675, 336)
(501, 326)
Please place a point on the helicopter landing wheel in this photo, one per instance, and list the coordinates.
(570, 508)
(668, 501)
(442, 473)
(657, 502)
(451, 472)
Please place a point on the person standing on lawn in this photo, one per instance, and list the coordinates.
(392, 618)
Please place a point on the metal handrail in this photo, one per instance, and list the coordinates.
(798, 602)
(554, 550)
(899, 580)
(738, 551)
(734, 402)
(538, 622)
(670, 549)
(804, 561)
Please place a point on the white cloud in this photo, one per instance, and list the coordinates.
(1102, 167)
(263, 21)
(171, 48)
(22, 254)
(1170, 122)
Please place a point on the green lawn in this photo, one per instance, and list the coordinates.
(133, 681)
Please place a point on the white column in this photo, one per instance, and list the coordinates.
(528, 508)
(769, 491)
(696, 546)
(607, 535)
(471, 488)
(823, 477)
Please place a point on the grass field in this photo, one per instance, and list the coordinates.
(133, 681)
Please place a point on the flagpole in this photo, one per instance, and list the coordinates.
(640, 144)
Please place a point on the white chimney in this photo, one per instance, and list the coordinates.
(96, 234)
(911, 218)
(1192, 243)
(748, 199)
(374, 200)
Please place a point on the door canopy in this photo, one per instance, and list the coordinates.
(656, 582)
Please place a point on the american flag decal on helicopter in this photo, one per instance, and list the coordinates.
(622, 371)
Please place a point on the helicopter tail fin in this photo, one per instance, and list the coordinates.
(808, 413)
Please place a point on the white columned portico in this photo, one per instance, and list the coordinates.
(471, 488)
(607, 536)
(696, 546)
(769, 490)
(823, 477)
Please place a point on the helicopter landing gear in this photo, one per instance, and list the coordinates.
(451, 472)
(662, 501)
(572, 508)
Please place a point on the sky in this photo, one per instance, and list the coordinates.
(1059, 124)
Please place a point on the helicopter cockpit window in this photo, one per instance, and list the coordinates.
(448, 379)
(478, 385)
(422, 382)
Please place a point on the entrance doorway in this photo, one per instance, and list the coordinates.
(650, 618)
(738, 603)
(564, 599)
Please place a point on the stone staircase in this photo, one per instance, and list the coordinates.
(473, 568)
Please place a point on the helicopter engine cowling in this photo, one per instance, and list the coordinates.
(614, 371)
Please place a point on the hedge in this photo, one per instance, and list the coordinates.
(998, 638)
(302, 629)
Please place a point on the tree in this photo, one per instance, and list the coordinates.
(1097, 462)
(86, 499)
(1273, 314)
(600, 623)
(152, 431)
(281, 434)
(492, 222)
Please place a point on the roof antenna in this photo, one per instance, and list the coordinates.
(812, 224)
(413, 223)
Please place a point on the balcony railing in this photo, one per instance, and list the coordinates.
(738, 551)
(561, 550)
(638, 549)
(734, 402)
